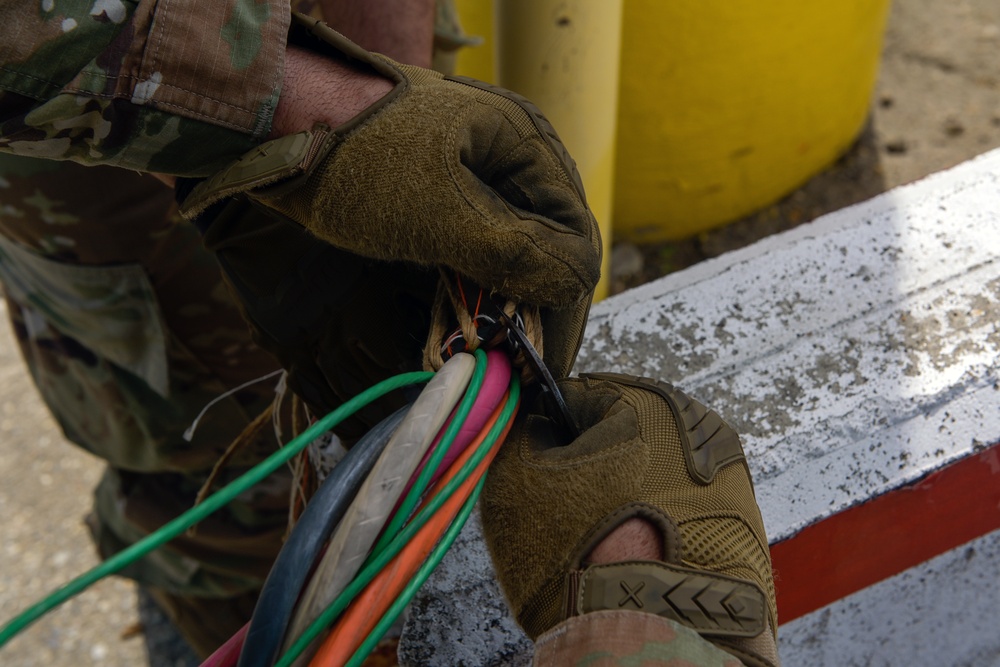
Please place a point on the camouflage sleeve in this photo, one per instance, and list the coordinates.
(174, 86)
(625, 638)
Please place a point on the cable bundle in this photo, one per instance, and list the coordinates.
(357, 593)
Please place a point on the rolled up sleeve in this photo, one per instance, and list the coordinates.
(173, 86)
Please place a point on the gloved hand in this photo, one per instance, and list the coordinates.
(648, 451)
(442, 171)
(337, 322)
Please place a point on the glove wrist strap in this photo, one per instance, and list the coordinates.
(712, 604)
(285, 159)
(272, 162)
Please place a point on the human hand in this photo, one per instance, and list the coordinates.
(439, 172)
(651, 458)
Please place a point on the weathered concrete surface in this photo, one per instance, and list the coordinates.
(464, 587)
(853, 354)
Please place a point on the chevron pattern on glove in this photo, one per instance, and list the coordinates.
(709, 603)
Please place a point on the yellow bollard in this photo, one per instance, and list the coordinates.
(728, 105)
(477, 61)
(725, 105)
(563, 56)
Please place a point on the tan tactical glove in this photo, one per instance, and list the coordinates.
(442, 171)
(648, 451)
(337, 322)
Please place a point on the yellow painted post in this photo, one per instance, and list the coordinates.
(728, 105)
(563, 55)
(725, 106)
(477, 61)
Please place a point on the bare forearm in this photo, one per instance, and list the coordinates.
(317, 89)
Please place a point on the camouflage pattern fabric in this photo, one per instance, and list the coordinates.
(626, 639)
(151, 86)
(128, 332)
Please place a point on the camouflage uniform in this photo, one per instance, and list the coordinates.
(164, 87)
(122, 315)
(128, 332)
(627, 639)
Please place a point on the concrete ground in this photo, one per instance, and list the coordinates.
(937, 104)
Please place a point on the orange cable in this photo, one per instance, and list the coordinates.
(363, 615)
(461, 290)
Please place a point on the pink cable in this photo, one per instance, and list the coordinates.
(228, 655)
(495, 384)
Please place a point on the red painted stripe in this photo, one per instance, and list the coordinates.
(867, 543)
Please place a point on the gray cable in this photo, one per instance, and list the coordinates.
(277, 599)
(377, 497)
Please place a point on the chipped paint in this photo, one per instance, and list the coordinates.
(853, 354)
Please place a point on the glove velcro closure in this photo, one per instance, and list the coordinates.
(274, 161)
(712, 604)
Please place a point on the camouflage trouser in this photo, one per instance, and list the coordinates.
(128, 332)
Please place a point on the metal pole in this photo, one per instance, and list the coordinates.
(564, 56)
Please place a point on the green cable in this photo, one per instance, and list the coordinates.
(364, 577)
(214, 502)
(421, 576)
(420, 485)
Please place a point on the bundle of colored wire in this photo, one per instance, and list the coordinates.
(402, 548)
(295, 560)
(351, 543)
(479, 408)
(418, 580)
(380, 560)
(484, 391)
(437, 460)
(361, 618)
(214, 502)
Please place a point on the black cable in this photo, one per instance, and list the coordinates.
(295, 561)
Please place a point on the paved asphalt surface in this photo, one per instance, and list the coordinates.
(937, 104)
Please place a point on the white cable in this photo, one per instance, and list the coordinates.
(189, 433)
